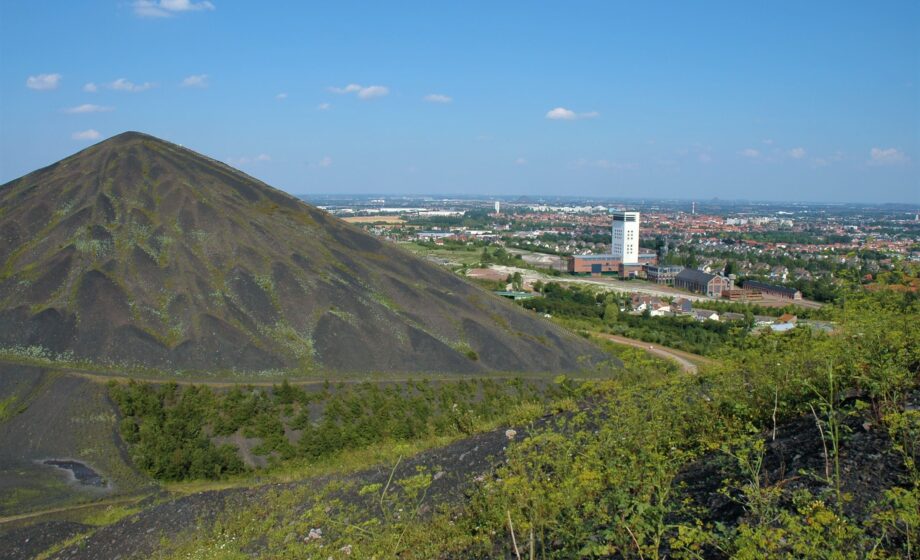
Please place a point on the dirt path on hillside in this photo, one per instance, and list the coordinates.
(689, 362)
(307, 383)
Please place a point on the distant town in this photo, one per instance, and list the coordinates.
(668, 257)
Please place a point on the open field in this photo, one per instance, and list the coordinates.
(374, 220)
(444, 256)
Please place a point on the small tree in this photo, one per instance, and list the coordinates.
(517, 282)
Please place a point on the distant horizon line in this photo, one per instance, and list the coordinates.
(512, 198)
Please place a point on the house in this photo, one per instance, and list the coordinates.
(785, 322)
(705, 315)
(779, 273)
(643, 302)
(787, 318)
(681, 305)
(733, 317)
(702, 282)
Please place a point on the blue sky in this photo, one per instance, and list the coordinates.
(813, 101)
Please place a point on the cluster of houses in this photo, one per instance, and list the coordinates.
(668, 307)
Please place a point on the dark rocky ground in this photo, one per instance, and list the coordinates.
(27, 541)
(795, 460)
(868, 466)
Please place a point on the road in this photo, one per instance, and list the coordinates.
(689, 362)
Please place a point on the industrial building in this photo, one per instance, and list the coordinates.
(625, 237)
(772, 289)
(624, 259)
(606, 264)
(701, 282)
(662, 274)
(742, 294)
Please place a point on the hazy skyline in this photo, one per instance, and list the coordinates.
(786, 101)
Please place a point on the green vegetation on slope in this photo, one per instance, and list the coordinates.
(612, 479)
(170, 428)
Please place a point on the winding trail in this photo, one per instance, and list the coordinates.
(689, 362)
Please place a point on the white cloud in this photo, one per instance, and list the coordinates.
(373, 91)
(768, 141)
(168, 8)
(520, 161)
(43, 81)
(324, 106)
(90, 87)
(85, 135)
(350, 88)
(195, 81)
(122, 84)
(887, 156)
(750, 153)
(438, 98)
(281, 96)
(88, 108)
(185, 5)
(796, 153)
(563, 114)
(363, 92)
(704, 158)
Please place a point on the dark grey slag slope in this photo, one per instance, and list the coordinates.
(139, 252)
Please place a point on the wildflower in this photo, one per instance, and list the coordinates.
(346, 550)
(314, 535)
(510, 433)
